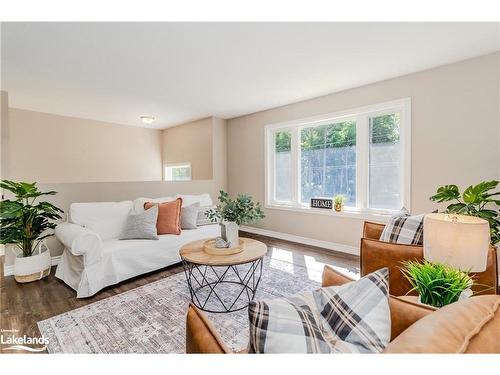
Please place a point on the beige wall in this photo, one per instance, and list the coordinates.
(49, 148)
(95, 186)
(191, 142)
(455, 125)
(4, 116)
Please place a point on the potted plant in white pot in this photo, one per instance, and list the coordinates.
(437, 285)
(231, 213)
(26, 223)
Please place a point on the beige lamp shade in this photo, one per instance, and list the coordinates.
(458, 241)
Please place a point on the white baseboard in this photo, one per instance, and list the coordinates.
(9, 270)
(303, 240)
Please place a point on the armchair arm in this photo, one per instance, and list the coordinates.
(378, 254)
(372, 230)
(201, 335)
(80, 241)
(404, 313)
(333, 278)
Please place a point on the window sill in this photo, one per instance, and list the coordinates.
(382, 217)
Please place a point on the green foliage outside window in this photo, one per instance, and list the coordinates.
(283, 141)
(384, 129)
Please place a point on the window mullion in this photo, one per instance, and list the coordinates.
(295, 148)
(362, 140)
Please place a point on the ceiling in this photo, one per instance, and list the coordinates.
(178, 72)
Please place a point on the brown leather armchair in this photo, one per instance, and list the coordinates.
(467, 326)
(376, 254)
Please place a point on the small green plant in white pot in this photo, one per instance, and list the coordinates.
(231, 213)
(26, 223)
(338, 202)
(437, 285)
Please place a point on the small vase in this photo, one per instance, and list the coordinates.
(338, 207)
(229, 232)
(466, 293)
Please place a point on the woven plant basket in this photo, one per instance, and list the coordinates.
(33, 268)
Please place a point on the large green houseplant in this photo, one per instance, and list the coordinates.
(25, 222)
(231, 213)
(481, 200)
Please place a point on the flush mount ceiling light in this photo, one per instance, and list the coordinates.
(147, 119)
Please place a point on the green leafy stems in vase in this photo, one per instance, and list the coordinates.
(437, 285)
(231, 213)
(338, 202)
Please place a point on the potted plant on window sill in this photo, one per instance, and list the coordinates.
(231, 213)
(338, 202)
(26, 223)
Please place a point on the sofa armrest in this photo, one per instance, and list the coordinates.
(201, 336)
(333, 278)
(80, 241)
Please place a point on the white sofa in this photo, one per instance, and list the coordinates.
(94, 257)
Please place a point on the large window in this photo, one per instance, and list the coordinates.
(362, 154)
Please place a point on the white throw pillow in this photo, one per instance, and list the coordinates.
(107, 219)
(202, 199)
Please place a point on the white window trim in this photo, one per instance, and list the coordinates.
(176, 165)
(362, 115)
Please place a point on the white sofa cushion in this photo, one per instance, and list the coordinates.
(202, 199)
(107, 219)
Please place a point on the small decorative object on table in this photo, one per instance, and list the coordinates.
(210, 247)
(26, 225)
(231, 213)
(339, 200)
(220, 243)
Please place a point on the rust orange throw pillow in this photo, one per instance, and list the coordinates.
(169, 216)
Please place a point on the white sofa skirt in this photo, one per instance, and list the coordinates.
(123, 259)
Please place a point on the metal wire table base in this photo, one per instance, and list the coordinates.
(204, 281)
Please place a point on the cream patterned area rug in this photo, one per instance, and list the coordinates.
(151, 318)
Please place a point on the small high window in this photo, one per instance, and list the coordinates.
(178, 172)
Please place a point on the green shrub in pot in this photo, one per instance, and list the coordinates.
(231, 213)
(25, 222)
(437, 285)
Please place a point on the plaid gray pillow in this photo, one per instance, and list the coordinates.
(352, 318)
(403, 228)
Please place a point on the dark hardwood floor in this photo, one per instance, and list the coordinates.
(23, 305)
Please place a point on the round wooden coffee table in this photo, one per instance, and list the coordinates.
(223, 283)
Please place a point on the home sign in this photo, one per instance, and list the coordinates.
(322, 203)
